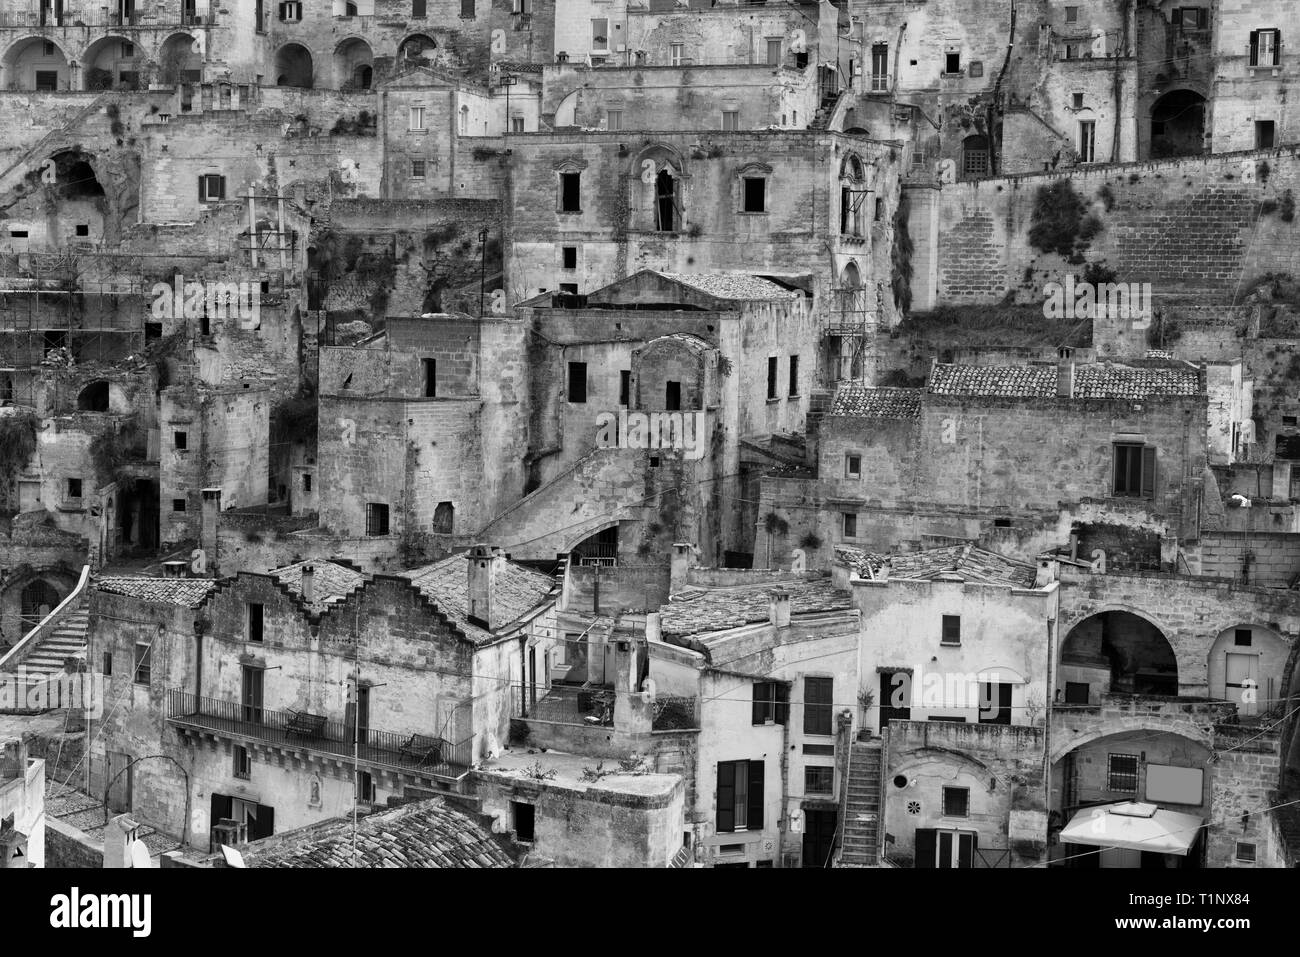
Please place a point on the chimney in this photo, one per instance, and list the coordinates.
(485, 563)
(681, 563)
(653, 627)
(818, 405)
(1046, 573)
(1065, 373)
(208, 527)
(308, 584)
(778, 609)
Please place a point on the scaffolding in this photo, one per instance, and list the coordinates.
(848, 323)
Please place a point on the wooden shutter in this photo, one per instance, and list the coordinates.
(782, 709)
(762, 693)
(1254, 47)
(754, 817)
(1148, 471)
(925, 847)
(202, 192)
(726, 796)
(1277, 47)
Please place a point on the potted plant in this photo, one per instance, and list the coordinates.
(866, 698)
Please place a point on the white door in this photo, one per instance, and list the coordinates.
(1242, 672)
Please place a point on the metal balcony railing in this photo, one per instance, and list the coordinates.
(563, 704)
(419, 753)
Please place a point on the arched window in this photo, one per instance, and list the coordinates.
(853, 194)
(975, 157)
(464, 121)
(667, 202)
(94, 397)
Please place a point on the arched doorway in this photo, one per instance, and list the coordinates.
(1245, 666)
(598, 549)
(353, 65)
(178, 62)
(94, 397)
(38, 599)
(111, 63)
(1115, 652)
(416, 50)
(36, 64)
(1178, 124)
(293, 66)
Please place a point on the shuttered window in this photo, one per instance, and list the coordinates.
(817, 705)
(740, 796)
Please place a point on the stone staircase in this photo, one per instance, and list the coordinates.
(862, 808)
(66, 639)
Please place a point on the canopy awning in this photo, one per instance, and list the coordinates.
(1134, 825)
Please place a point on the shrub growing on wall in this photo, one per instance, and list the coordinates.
(901, 257)
(17, 443)
(1061, 222)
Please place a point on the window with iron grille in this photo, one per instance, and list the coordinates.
(1245, 852)
(376, 519)
(818, 780)
(1122, 772)
(956, 802)
(817, 705)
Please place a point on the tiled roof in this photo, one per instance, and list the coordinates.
(729, 285)
(968, 562)
(446, 583)
(699, 610)
(190, 592)
(877, 403)
(1095, 381)
(330, 581)
(423, 834)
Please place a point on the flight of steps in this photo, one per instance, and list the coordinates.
(67, 639)
(862, 808)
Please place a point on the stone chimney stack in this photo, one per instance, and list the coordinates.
(1065, 373)
(653, 627)
(680, 565)
(778, 609)
(308, 584)
(485, 562)
(208, 527)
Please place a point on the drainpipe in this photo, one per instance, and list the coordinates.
(995, 155)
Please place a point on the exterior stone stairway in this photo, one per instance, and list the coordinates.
(66, 639)
(862, 808)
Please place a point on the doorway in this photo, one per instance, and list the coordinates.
(819, 837)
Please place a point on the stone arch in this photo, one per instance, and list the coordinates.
(660, 171)
(1117, 650)
(416, 49)
(851, 275)
(93, 397)
(1260, 659)
(354, 64)
(28, 62)
(1174, 725)
(25, 593)
(1290, 763)
(976, 156)
(294, 66)
(598, 545)
(105, 61)
(178, 61)
(1177, 124)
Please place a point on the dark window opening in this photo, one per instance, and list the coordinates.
(524, 818)
(739, 796)
(850, 525)
(178, 505)
(956, 802)
(306, 481)
(430, 370)
(255, 621)
(444, 518)
(243, 763)
(818, 780)
(794, 376)
(1241, 638)
(995, 703)
(577, 382)
(143, 663)
(74, 488)
(665, 202)
(951, 634)
(569, 257)
(1122, 773)
(1265, 134)
(952, 63)
(673, 396)
(624, 386)
(107, 666)
(376, 519)
(755, 194)
(771, 702)
(771, 377)
(570, 193)
(1076, 692)
(181, 440)
(1135, 467)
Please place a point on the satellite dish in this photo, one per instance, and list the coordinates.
(233, 857)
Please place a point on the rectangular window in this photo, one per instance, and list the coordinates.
(774, 52)
(1076, 692)
(417, 169)
(850, 524)
(418, 10)
(852, 466)
(376, 519)
(600, 36)
(570, 193)
(243, 763)
(47, 81)
(74, 488)
(108, 664)
(1135, 470)
(740, 796)
(1122, 773)
(771, 377)
(879, 67)
(523, 817)
(731, 119)
(944, 849)
(794, 376)
(178, 505)
(212, 187)
(254, 620)
(415, 119)
(1087, 141)
(952, 63)
(818, 780)
(817, 705)
(673, 396)
(577, 382)
(128, 50)
(429, 368)
(1071, 14)
(995, 703)
(624, 386)
(291, 11)
(613, 119)
(83, 229)
(1245, 852)
(1078, 101)
(1241, 637)
(951, 634)
(1072, 51)
(181, 441)
(771, 702)
(956, 802)
(755, 195)
(1265, 47)
(365, 788)
(516, 124)
(568, 257)
(1265, 134)
(467, 9)
(306, 481)
(143, 663)
(676, 53)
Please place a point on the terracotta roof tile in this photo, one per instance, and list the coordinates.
(331, 581)
(1094, 381)
(700, 610)
(877, 402)
(190, 592)
(968, 562)
(730, 285)
(446, 583)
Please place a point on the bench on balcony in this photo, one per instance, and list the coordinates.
(423, 749)
(306, 724)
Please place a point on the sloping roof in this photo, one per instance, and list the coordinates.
(698, 610)
(968, 562)
(331, 581)
(189, 592)
(428, 833)
(877, 403)
(446, 583)
(729, 285)
(1094, 381)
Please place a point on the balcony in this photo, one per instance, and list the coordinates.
(563, 704)
(298, 731)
